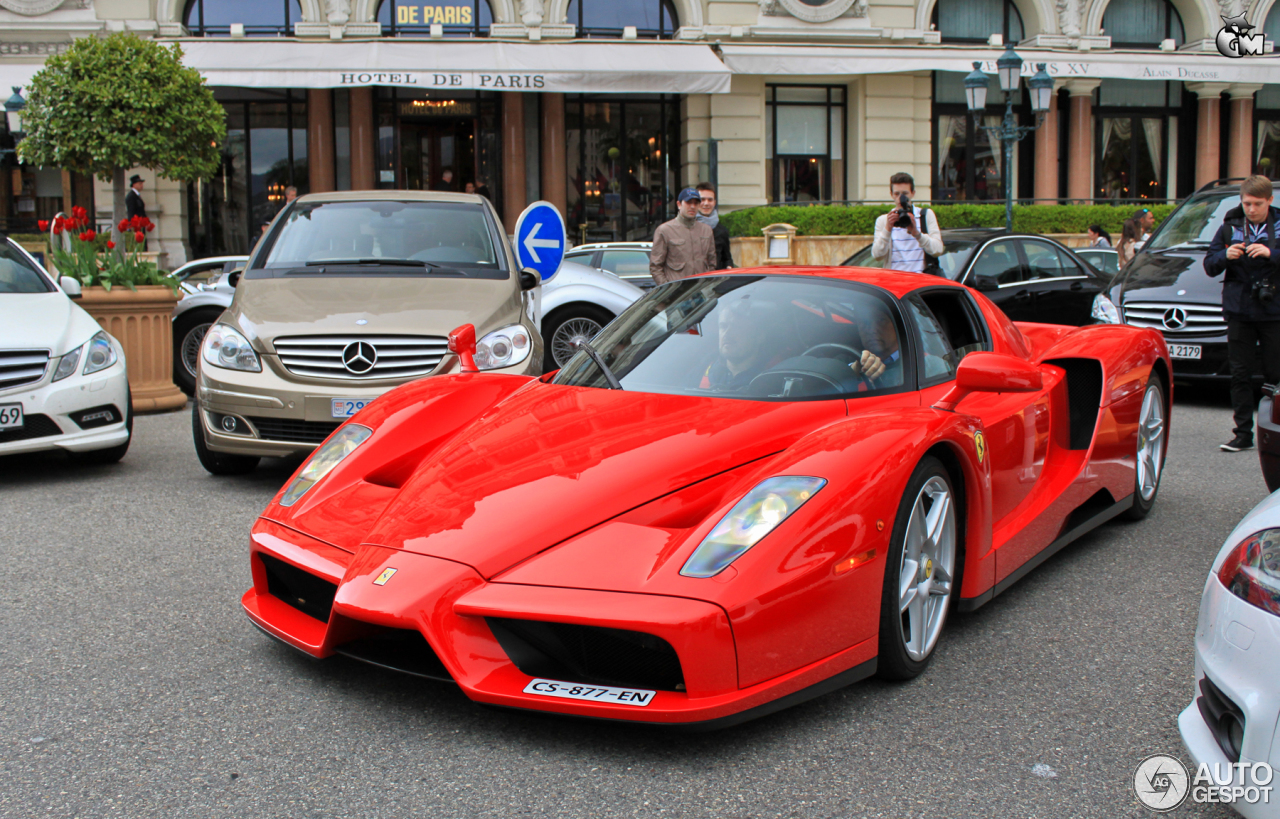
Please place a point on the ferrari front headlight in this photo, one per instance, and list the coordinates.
(225, 347)
(1105, 310)
(756, 515)
(324, 459)
(503, 348)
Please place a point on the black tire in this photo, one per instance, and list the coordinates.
(189, 323)
(1142, 506)
(111, 455)
(895, 663)
(553, 323)
(217, 463)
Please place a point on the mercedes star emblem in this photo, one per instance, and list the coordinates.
(359, 357)
(1175, 318)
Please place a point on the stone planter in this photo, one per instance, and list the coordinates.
(143, 324)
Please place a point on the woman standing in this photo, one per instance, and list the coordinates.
(1098, 236)
(1130, 235)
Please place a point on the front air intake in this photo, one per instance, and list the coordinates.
(311, 595)
(398, 649)
(589, 654)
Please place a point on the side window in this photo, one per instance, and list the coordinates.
(625, 263)
(998, 262)
(1047, 262)
(960, 320)
(939, 358)
(580, 258)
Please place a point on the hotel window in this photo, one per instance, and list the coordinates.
(653, 19)
(804, 143)
(1131, 142)
(1266, 114)
(968, 164)
(1142, 23)
(213, 18)
(974, 21)
(458, 18)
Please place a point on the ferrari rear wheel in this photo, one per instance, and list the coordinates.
(920, 574)
(1151, 449)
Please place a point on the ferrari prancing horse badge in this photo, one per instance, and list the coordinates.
(980, 442)
(386, 573)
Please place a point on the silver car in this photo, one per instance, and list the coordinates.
(207, 291)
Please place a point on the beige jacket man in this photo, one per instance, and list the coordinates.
(684, 246)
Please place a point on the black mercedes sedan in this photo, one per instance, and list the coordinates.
(1165, 286)
(1031, 278)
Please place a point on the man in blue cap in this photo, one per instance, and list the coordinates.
(684, 246)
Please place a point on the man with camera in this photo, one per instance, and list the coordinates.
(898, 234)
(1245, 248)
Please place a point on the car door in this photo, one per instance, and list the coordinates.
(999, 273)
(1062, 290)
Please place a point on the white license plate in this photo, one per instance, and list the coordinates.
(595, 693)
(10, 416)
(347, 407)
(1184, 351)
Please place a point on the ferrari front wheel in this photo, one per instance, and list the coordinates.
(921, 573)
(1149, 463)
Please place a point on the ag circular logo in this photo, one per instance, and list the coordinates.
(359, 357)
(1161, 782)
(1175, 318)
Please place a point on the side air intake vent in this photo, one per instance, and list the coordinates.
(1084, 397)
(589, 654)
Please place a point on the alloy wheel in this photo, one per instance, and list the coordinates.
(928, 566)
(1150, 442)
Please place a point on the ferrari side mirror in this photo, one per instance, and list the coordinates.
(991, 372)
(529, 279)
(462, 343)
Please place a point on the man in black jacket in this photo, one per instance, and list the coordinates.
(133, 204)
(708, 216)
(1245, 247)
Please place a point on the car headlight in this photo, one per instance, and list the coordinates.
(67, 364)
(1105, 311)
(503, 348)
(1252, 570)
(102, 354)
(224, 347)
(324, 459)
(756, 515)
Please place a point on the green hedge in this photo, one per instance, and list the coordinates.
(859, 220)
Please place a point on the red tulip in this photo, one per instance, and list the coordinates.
(90, 235)
(44, 225)
(139, 237)
(124, 225)
(111, 245)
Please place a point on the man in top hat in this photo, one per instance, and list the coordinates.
(133, 204)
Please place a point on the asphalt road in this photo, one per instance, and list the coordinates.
(132, 685)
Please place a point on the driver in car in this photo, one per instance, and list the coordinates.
(742, 347)
(881, 361)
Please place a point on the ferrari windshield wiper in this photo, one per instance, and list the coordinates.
(1194, 244)
(614, 383)
(378, 260)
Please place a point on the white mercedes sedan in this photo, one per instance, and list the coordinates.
(63, 383)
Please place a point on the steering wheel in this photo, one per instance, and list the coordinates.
(857, 354)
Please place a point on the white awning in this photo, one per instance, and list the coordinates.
(1151, 65)
(578, 67)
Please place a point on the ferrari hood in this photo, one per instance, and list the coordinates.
(551, 461)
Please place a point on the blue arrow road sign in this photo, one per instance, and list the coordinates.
(541, 239)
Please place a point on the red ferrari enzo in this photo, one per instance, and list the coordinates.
(746, 491)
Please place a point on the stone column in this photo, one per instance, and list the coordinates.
(555, 185)
(1208, 128)
(1080, 139)
(320, 173)
(513, 170)
(1240, 141)
(1047, 152)
(363, 170)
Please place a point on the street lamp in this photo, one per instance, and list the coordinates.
(13, 119)
(1009, 68)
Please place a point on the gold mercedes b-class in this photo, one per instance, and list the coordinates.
(348, 295)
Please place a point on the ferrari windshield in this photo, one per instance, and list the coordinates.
(950, 263)
(779, 338)
(423, 235)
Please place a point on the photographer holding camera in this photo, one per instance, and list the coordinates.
(1245, 247)
(898, 237)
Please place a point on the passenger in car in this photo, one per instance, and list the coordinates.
(881, 362)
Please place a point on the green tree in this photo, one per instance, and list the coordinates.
(117, 102)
